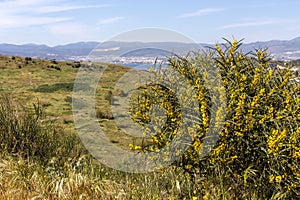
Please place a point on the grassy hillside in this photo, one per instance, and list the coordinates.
(50, 83)
(41, 160)
(42, 157)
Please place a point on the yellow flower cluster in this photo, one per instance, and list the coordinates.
(276, 179)
(240, 107)
(275, 140)
(220, 148)
(134, 147)
(256, 76)
(219, 50)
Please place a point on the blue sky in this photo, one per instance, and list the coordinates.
(64, 21)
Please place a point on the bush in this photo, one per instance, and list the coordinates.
(261, 137)
(109, 97)
(104, 114)
(26, 132)
(28, 59)
(259, 145)
(76, 64)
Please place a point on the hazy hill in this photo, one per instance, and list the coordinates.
(60, 52)
(280, 49)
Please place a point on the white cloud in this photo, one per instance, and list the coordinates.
(22, 13)
(18, 3)
(25, 21)
(14, 7)
(201, 12)
(253, 23)
(51, 9)
(110, 20)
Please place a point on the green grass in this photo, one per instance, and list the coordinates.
(37, 82)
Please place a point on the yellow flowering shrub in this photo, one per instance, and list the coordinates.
(259, 143)
(262, 124)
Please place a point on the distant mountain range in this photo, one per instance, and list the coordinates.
(280, 49)
(60, 52)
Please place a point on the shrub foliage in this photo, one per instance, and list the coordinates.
(26, 132)
(259, 142)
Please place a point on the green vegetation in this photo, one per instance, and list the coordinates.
(258, 147)
(24, 132)
(256, 157)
